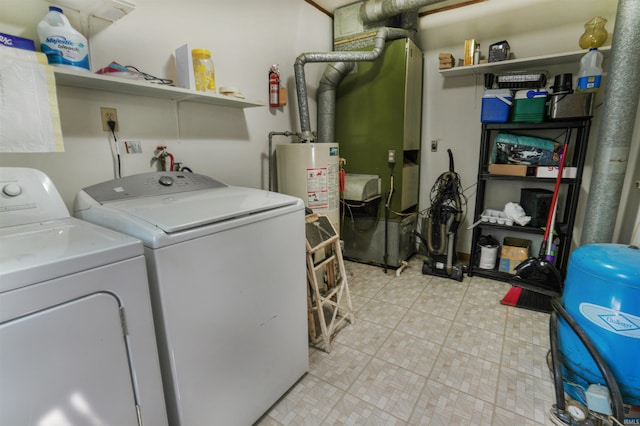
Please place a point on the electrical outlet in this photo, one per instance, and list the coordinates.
(108, 114)
(391, 156)
(434, 145)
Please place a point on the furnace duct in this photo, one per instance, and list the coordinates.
(616, 128)
(378, 10)
(331, 81)
(370, 11)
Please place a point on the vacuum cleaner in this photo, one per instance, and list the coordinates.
(442, 222)
(595, 338)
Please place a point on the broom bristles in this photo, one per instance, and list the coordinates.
(512, 296)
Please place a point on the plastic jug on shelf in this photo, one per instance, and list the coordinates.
(590, 73)
(62, 44)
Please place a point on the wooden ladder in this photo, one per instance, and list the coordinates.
(334, 298)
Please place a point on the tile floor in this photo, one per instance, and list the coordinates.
(425, 351)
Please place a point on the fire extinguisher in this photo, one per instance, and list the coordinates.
(274, 86)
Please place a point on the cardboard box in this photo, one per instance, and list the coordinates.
(499, 51)
(469, 48)
(184, 68)
(17, 42)
(514, 251)
(508, 169)
(552, 172)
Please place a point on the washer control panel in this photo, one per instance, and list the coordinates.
(150, 184)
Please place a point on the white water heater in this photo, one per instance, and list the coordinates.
(310, 171)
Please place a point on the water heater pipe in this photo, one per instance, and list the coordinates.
(616, 129)
(270, 157)
(354, 56)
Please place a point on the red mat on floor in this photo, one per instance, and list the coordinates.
(527, 299)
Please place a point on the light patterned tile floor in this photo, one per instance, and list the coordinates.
(425, 350)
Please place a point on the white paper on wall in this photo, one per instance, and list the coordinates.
(29, 115)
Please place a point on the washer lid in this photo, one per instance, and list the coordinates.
(187, 210)
(43, 251)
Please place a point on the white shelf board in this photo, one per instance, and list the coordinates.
(88, 80)
(524, 64)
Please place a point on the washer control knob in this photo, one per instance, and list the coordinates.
(12, 190)
(166, 180)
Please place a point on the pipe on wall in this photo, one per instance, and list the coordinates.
(616, 129)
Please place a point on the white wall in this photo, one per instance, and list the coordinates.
(245, 37)
(452, 106)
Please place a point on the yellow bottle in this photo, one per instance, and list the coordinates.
(203, 70)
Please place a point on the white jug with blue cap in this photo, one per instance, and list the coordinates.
(62, 43)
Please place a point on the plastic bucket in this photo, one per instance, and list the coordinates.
(488, 256)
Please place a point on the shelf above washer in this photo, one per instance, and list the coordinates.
(520, 64)
(88, 80)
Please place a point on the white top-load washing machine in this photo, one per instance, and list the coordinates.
(227, 272)
(77, 344)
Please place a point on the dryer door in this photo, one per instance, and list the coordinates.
(67, 364)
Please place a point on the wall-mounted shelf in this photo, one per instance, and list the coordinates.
(88, 80)
(521, 64)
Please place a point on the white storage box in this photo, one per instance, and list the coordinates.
(551, 172)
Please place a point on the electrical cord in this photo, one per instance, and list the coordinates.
(149, 77)
(112, 126)
(354, 226)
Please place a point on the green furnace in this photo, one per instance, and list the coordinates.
(378, 110)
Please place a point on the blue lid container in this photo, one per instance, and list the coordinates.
(495, 106)
(602, 293)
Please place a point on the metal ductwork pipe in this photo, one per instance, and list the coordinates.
(370, 12)
(378, 10)
(333, 75)
(301, 84)
(616, 129)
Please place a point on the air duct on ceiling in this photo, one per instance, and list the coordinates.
(378, 10)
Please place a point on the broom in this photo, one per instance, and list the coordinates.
(517, 296)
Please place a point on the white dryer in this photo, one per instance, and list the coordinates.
(227, 273)
(77, 344)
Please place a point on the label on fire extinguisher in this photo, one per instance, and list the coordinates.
(274, 86)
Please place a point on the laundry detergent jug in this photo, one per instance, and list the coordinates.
(62, 44)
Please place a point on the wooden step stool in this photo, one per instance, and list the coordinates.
(330, 298)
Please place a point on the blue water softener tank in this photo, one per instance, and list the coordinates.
(602, 293)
